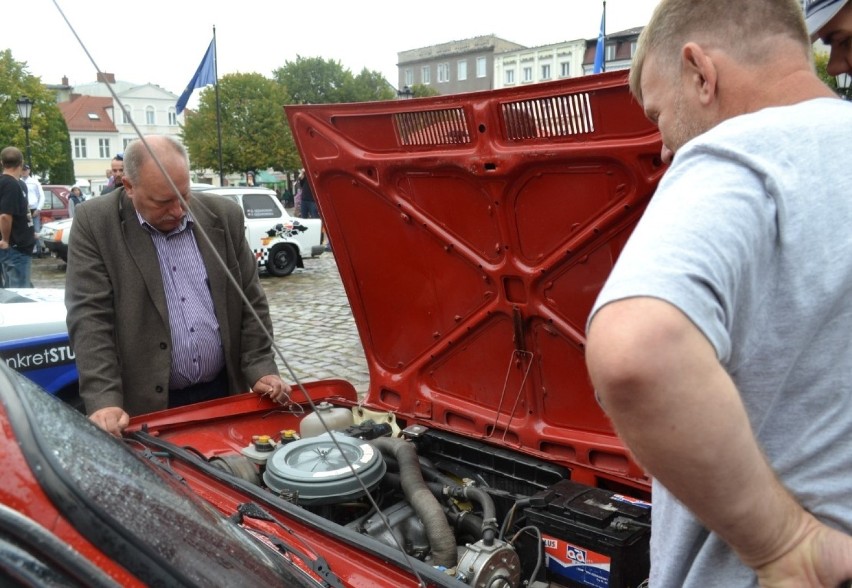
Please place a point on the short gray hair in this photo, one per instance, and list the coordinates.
(137, 154)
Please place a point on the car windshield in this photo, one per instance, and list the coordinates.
(135, 510)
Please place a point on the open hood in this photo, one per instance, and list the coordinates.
(472, 234)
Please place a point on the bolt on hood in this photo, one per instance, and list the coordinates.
(473, 233)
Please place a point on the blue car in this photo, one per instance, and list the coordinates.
(34, 340)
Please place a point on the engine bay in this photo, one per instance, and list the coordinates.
(482, 514)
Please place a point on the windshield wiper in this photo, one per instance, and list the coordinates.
(317, 563)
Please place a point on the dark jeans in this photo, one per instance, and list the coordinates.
(17, 268)
(215, 388)
(309, 209)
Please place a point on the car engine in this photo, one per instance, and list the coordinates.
(486, 515)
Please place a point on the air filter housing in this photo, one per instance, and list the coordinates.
(316, 469)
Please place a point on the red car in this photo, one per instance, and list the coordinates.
(472, 234)
(55, 203)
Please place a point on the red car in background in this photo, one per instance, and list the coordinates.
(55, 203)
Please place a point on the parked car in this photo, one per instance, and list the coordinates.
(55, 203)
(479, 455)
(55, 235)
(34, 339)
(279, 241)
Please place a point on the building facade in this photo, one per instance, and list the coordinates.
(539, 64)
(454, 67)
(99, 127)
(489, 62)
(618, 50)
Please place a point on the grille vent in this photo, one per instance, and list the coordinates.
(433, 127)
(553, 116)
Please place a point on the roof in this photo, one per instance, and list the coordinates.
(486, 43)
(88, 114)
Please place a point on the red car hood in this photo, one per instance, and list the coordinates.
(472, 233)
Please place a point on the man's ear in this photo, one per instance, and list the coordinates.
(699, 70)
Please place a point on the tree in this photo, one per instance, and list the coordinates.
(50, 142)
(423, 91)
(255, 134)
(369, 86)
(314, 80)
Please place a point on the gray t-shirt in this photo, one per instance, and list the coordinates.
(749, 235)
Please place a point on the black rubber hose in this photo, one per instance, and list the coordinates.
(431, 513)
(489, 511)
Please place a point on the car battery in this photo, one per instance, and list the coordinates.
(592, 537)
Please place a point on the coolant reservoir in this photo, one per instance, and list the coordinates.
(334, 417)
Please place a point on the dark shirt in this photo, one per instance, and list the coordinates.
(13, 201)
(307, 193)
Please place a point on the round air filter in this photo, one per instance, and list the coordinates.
(316, 469)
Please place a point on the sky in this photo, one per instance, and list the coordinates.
(163, 41)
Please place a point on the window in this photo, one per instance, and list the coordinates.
(462, 69)
(545, 71)
(408, 75)
(565, 69)
(633, 48)
(149, 116)
(94, 116)
(172, 117)
(510, 76)
(126, 143)
(480, 67)
(80, 149)
(443, 72)
(528, 74)
(125, 115)
(260, 206)
(103, 148)
(426, 75)
(52, 201)
(610, 52)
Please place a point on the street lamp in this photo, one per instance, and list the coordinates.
(25, 111)
(405, 93)
(844, 81)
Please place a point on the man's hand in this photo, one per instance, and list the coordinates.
(819, 557)
(274, 387)
(111, 419)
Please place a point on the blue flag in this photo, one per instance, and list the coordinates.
(599, 50)
(204, 75)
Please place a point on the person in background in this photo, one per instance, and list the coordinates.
(287, 197)
(719, 345)
(154, 321)
(831, 21)
(297, 198)
(75, 198)
(17, 236)
(109, 183)
(35, 196)
(309, 204)
(117, 165)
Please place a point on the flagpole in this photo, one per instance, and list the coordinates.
(219, 108)
(603, 61)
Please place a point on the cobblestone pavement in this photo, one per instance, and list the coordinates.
(311, 318)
